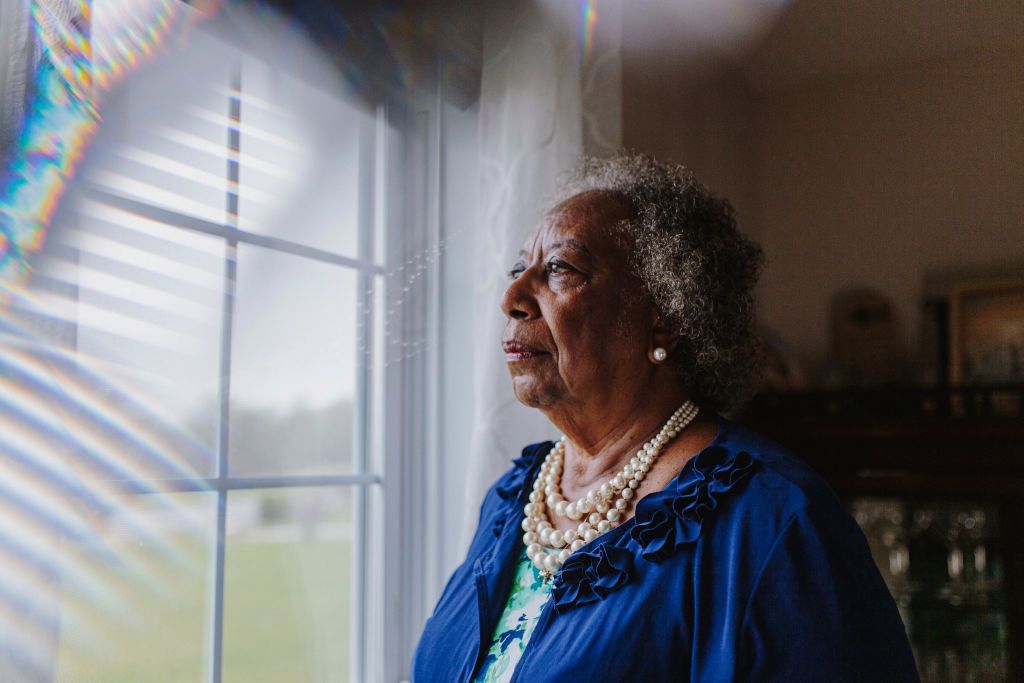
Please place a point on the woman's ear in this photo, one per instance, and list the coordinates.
(663, 342)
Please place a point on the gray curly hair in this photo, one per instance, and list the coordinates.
(694, 262)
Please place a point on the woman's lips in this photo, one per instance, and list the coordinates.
(517, 351)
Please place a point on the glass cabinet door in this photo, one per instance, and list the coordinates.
(943, 563)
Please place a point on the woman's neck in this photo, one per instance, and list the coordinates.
(601, 439)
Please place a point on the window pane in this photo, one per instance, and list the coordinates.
(133, 309)
(142, 613)
(164, 136)
(293, 365)
(299, 161)
(288, 585)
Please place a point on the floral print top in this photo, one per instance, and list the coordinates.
(522, 610)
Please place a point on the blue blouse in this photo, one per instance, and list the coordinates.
(744, 567)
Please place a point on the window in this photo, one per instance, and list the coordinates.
(212, 333)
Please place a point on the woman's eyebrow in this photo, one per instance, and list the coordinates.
(571, 242)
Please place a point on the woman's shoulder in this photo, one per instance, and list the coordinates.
(784, 497)
(781, 479)
(817, 599)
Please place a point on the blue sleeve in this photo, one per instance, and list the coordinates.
(820, 610)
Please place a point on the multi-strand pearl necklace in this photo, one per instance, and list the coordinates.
(602, 509)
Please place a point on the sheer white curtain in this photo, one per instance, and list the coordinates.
(550, 92)
(17, 53)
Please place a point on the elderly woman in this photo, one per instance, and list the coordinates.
(656, 540)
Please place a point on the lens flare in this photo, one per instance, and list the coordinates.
(588, 22)
(76, 449)
(72, 75)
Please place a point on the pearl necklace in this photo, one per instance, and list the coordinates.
(601, 510)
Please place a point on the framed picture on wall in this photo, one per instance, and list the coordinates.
(986, 332)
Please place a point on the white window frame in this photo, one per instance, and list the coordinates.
(410, 559)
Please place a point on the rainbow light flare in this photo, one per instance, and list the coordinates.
(134, 41)
(588, 21)
(66, 46)
(77, 452)
(70, 81)
(70, 438)
(52, 142)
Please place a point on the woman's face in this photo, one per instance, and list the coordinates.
(578, 324)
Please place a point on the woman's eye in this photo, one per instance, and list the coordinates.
(557, 267)
(551, 267)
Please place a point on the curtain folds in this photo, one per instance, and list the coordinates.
(18, 55)
(550, 92)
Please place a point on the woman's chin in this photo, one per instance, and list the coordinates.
(533, 392)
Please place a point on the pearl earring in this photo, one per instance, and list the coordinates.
(660, 354)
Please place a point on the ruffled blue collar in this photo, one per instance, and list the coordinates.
(663, 522)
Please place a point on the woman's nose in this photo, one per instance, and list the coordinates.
(519, 302)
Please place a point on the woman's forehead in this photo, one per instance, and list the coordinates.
(587, 222)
